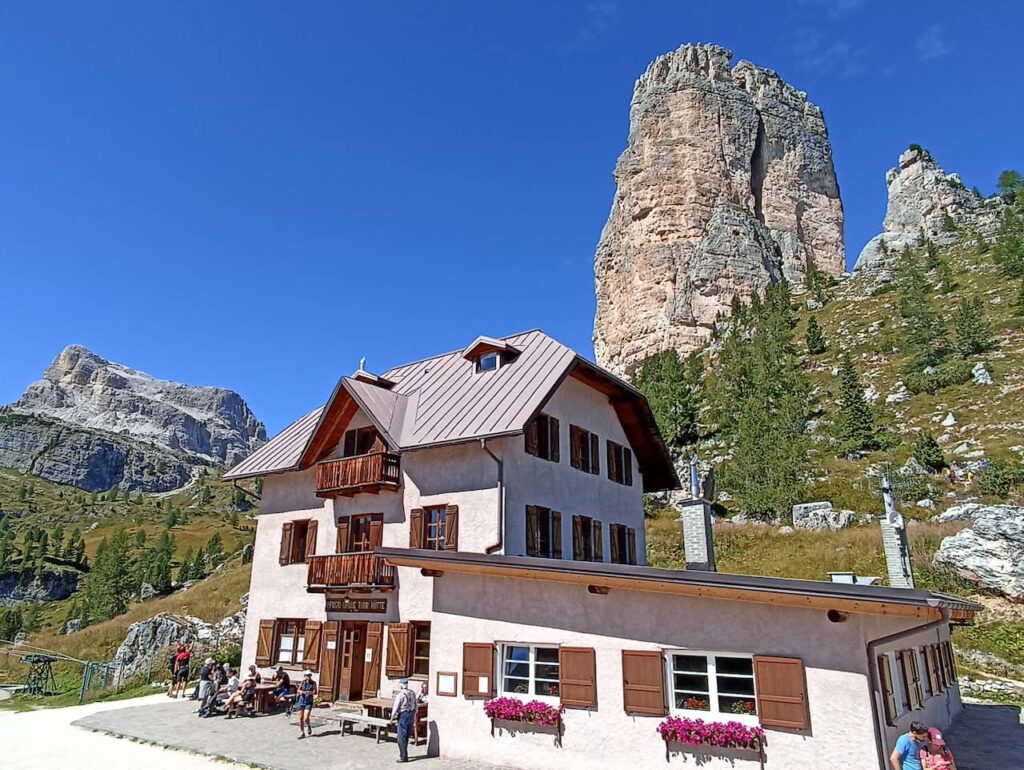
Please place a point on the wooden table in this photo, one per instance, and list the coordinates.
(261, 703)
(381, 707)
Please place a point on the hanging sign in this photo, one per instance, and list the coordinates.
(349, 604)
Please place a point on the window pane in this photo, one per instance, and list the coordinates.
(546, 688)
(690, 682)
(286, 646)
(744, 666)
(517, 685)
(547, 655)
(735, 685)
(300, 652)
(517, 653)
(692, 702)
(728, 705)
(547, 671)
(517, 669)
(694, 663)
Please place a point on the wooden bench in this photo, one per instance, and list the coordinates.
(379, 725)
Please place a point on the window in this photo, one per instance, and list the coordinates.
(291, 641)
(361, 441)
(586, 539)
(298, 541)
(543, 532)
(620, 464)
(622, 540)
(421, 649)
(542, 438)
(529, 671)
(360, 533)
(584, 450)
(488, 362)
(719, 685)
(434, 519)
(435, 527)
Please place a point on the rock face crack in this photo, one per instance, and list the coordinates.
(758, 169)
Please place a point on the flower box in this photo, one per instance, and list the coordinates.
(533, 712)
(697, 732)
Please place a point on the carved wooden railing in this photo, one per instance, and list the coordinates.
(346, 570)
(351, 474)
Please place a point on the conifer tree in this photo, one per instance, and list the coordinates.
(923, 327)
(971, 332)
(672, 386)
(815, 338)
(214, 550)
(947, 282)
(1009, 242)
(928, 452)
(854, 428)
(185, 573)
(1018, 305)
(112, 580)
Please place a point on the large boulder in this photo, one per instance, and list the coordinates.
(821, 516)
(989, 553)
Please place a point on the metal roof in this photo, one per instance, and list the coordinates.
(280, 453)
(444, 400)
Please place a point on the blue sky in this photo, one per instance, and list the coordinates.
(256, 194)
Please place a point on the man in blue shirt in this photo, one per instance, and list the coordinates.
(907, 754)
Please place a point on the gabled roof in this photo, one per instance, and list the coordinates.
(484, 344)
(280, 453)
(443, 400)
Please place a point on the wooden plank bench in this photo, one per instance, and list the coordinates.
(377, 724)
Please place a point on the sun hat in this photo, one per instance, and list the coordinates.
(403, 681)
(935, 736)
(307, 672)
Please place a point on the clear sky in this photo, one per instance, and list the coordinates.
(255, 194)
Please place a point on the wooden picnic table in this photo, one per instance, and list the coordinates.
(261, 702)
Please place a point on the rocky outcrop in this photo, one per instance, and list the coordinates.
(726, 185)
(926, 203)
(52, 586)
(989, 553)
(97, 424)
(821, 516)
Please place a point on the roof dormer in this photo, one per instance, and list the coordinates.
(488, 354)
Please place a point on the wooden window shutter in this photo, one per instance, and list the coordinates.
(577, 672)
(311, 528)
(311, 651)
(416, 528)
(371, 675)
(915, 672)
(598, 542)
(341, 544)
(398, 650)
(531, 437)
(477, 664)
(556, 535)
(376, 531)
(907, 674)
(610, 445)
(577, 538)
(576, 438)
(630, 545)
(614, 544)
(328, 660)
(349, 447)
(265, 642)
(781, 692)
(285, 556)
(554, 451)
(643, 682)
(627, 467)
(451, 528)
(595, 454)
(532, 539)
(933, 671)
(885, 681)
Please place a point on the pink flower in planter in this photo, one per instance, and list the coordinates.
(697, 732)
(514, 710)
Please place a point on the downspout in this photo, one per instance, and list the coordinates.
(501, 499)
(873, 645)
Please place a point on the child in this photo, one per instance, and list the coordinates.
(304, 703)
(936, 755)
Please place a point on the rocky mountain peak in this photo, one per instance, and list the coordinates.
(726, 185)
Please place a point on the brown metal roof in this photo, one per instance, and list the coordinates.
(281, 453)
(443, 400)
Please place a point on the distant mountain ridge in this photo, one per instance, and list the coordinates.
(95, 424)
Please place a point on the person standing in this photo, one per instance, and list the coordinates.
(404, 712)
(304, 702)
(907, 753)
(182, 661)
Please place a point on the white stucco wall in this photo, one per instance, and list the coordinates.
(486, 609)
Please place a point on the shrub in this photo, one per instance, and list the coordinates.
(927, 451)
(945, 375)
(999, 478)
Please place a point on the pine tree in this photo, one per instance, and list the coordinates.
(854, 428)
(672, 387)
(185, 571)
(947, 282)
(1009, 243)
(31, 618)
(923, 328)
(931, 258)
(57, 541)
(815, 338)
(1018, 305)
(10, 623)
(971, 332)
(928, 452)
(112, 580)
(214, 550)
(170, 518)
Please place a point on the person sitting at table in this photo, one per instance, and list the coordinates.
(246, 694)
(424, 695)
(255, 674)
(224, 693)
(283, 686)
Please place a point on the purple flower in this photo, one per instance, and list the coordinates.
(514, 710)
(697, 732)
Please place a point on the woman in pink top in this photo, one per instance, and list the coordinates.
(936, 755)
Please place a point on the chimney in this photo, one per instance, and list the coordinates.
(695, 514)
(894, 541)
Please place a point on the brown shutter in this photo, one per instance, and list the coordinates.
(627, 467)
(888, 690)
(610, 445)
(531, 531)
(577, 673)
(341, 543)
(576, 437)
(915, 673)
(477, 662)
(531, 437)
(451, 528)
(577, 537)
(556, 535)
(940, 669)
(952, 661)
(371, 675)
(933, 672)
(595, 454)
(311, 651)
(311, 528)
(285, 556)
(328, 660)
(781, 692)
(416, 528)
(643, 682)
(614, 546)
(349, 448)
(265, 642)
(907, 674)
(554, 453)
(398, 650)
(630, 545)
(598, 544)
(376, 530)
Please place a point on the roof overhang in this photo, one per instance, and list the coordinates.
(483, 345)
(784, 592)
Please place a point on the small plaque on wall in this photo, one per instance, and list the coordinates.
(447, 683)
(348, 604)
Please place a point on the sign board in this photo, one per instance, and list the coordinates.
(368, 656)
(349, 604)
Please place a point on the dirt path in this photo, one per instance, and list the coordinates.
(46, 739)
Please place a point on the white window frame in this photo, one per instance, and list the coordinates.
(531, 682)
(713, 714)
(478, 365)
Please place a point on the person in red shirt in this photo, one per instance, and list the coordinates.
(181, 672)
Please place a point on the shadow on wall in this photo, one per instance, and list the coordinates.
(701, 756)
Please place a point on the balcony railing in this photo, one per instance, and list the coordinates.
(362, 473)
(349, 570)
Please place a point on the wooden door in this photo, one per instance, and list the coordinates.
(328, 685)
(353, 651)
(371, 671)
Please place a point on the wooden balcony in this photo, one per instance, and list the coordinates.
(364, 570)
(363, 473)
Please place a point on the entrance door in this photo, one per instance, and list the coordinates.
(353, 652)
(327, 688)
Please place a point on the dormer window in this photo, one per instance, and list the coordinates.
(488, 362)
(488, 354)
